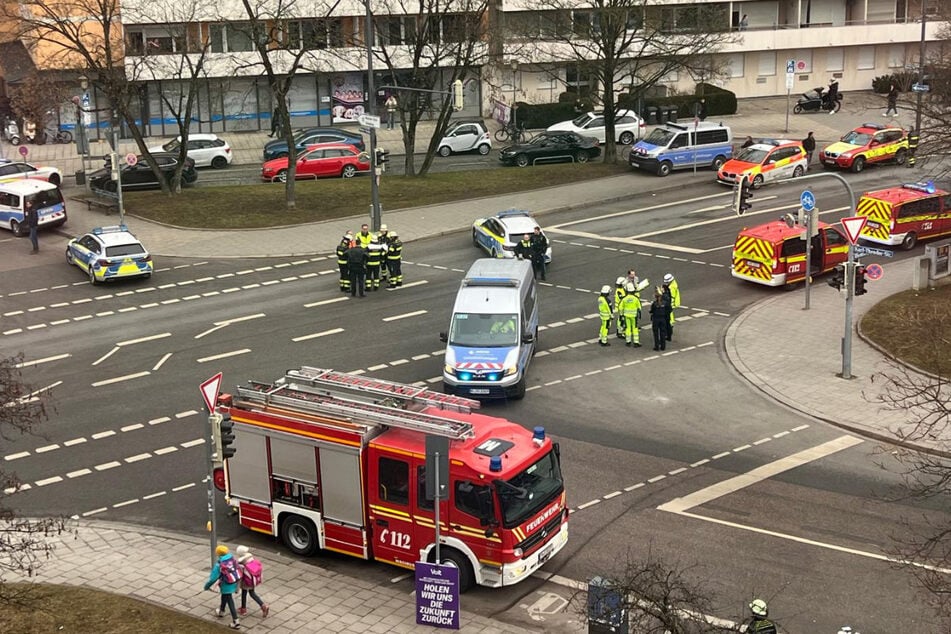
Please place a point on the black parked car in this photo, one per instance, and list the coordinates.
(141, 176)
(549, 147)
(312, 136)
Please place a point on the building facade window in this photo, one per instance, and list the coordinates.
(156, 39)
(866, 58)
(735, 64)
(896, 56)
(231, 38)
(395, 30)
(767, 64)
(835, 60)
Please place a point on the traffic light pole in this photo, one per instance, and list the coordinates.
(213, 447)
(376, 212)
(849, 294)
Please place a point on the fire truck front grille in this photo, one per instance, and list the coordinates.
(539, 537)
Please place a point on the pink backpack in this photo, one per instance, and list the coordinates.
(251, 573)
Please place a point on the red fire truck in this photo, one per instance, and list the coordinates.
(337, 461)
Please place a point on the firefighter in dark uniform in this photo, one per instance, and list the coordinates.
(342, 249)
(394, 260)
(357, 268)
(759, 624)
(375, 253)
(384, 236)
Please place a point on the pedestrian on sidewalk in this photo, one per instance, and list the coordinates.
(672, 291)
(892, 101)
(225, 574)
(252, 574)
(275, 123)
(391, 107)
(809, 145)
(32, 221)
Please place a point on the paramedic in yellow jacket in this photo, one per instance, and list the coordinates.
(618, 296)
(672, 291)
(629, 309)
(605, 313)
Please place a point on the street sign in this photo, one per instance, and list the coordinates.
(437, 595)
(23, 150)
(209, 391)
(807, 200)
(131, 159)
(874, 271)
(920, 88)
(437, 445)
(863, 250)
(790, 66)
(790, 81)
(853, 227)
(369, 120)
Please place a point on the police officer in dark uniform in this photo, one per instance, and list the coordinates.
(32, 221)
(523, 250)
(539, 247)
(357, 269)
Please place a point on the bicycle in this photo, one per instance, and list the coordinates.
(60, 136)
(512, 133)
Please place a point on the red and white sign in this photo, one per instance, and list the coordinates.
(131, 159)
(853, 227)
(209, 392)
(874, 271)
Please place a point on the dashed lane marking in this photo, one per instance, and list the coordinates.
(316, 335)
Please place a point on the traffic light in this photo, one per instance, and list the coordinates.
(382, 156)
(112, 164)
(226, 430)
(744, 191)
(860, 280)
(838, 277)
(457, 95)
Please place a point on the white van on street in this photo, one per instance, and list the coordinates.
(47, 200)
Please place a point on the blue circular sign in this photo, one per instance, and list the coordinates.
(807, 200)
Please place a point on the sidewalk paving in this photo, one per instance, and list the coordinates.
(790, 354)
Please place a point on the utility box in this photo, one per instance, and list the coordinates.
(650, 115)
(80, 177)
(940, 257)
(606, 611)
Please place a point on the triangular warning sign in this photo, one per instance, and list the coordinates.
(209, 392)
(853, 227)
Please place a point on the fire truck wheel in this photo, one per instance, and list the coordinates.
(451, 557)
(298, 534)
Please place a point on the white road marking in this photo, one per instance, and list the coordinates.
(105, 356)
(734, 484)
(119, 379)
(223, 355)
(405, 315)
(131, 342)
(411, 284)
(16, 456)
(324, 302)
(27, 364)
(161, 362)
(316, 335)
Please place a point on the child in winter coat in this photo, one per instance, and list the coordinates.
(251, 571)
(225, 573)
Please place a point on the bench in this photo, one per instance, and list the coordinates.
(108, 204)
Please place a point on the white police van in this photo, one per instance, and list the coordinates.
(674, 146)
(493, 331)
(46, 198)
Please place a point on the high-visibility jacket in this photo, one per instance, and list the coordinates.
(630, 306)
(364, 239)
(674, 294)
(604, 307)
(618, 295)
(374, 254)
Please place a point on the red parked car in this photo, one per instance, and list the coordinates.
(344, 161)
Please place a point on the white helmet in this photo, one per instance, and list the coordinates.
(619, 281)
(757, 606)
(605, 290)
(630, 288)
(393, 234)
(382, 227)
(668, 278)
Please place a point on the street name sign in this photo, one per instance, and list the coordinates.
(853, 227)
(863, 250)
(369, 120)
(920, 88)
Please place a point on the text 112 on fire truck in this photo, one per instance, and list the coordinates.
(335, 461)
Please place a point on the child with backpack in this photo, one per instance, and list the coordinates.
(251, 578)
(225, 573)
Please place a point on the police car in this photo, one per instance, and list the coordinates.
(499, 234)
(17, 170)
(765, 161)
(108, 253)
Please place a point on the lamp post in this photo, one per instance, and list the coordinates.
(921, 65)
(376, 212)
(82, 105)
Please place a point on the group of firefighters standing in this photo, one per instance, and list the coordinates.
(625, 306)
(367, 259)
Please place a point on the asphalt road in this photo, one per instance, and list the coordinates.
(643, 436)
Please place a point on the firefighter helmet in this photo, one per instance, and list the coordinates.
(605, 289)
(668, 278)
(619, 281)
(630, 288)
(757, 606)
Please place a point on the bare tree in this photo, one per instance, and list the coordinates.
(85, 35)
(615, 44)
(657, 597)
(34, 99)
(425, 46)
(935, 105)
(23, 543)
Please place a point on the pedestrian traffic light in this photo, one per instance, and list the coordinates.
(382, 156)
(860, 280)
(838, 277)
(457, 95)
(226, 434)
(744, 191)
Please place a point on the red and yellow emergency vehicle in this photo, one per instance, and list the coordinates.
(903, 215)
(336, 461)
(774, 253)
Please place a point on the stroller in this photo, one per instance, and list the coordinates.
(817, 100)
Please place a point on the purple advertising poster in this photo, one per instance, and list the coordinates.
(437, 595)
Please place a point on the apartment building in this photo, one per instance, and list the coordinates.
(851, 40)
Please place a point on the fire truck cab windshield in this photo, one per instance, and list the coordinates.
(530, 491)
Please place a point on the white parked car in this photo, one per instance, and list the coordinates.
(628, 127)
(205, 149)
(465, 137)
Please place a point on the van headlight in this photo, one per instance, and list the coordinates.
(448, 369)
(509, 371)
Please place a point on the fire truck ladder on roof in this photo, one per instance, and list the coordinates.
(356, 383)
(317, 401)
